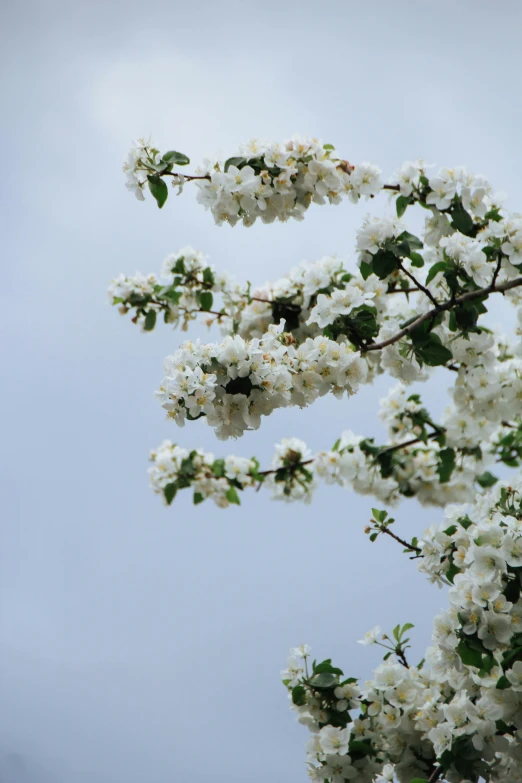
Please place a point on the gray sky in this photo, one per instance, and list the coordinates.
(140, 643)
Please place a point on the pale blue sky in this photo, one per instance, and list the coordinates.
(140, 643)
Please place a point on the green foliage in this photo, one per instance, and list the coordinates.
(401, 205)
(176, 158)
(150, 320)
(232, 496)
(446, 464)
(206, 300)
(486, 479)
(158, 188)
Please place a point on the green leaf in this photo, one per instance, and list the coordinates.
(150, 320)
(170, 492)
(380, 516)
(419, 780)
(468, 656)
(486, 479)
(177, 158)
(465, 522)
(208, 276)
(238, 162)
(373, 536)
(396, 631)
(446, 464)
(416, 259)
(452, 572)
(466, 316)
(328, 147)
(503, 683)
(414, 242)
(324, 680)
(158, 188)
(198, 498)
(440, 266)
(432, 352)
(232, 496)
(488, 662)
(462, 220)
(384, 263)
(366, 270)
(406, 627)
(299, 695)
(206, 300)
(218, 468)
(360, 747)
(401, 205)
(326, 667)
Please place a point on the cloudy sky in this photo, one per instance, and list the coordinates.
(140, 643)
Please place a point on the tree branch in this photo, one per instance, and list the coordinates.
(412, 442)
(420, 287)
(401, 541)
(470, 295)
(436, 774)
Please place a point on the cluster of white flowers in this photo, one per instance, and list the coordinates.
(267, 181)
(408, 464)
(462, 710)
(410, 305)
(440, 189)
(138, 288)
(236, 382)
(280, 181)
(176, 468)
(135, 173)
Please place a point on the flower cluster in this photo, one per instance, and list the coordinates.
(414, 462)
(176, 468)
(266, 181)
(411, 304)
(186, 288)
(459, 714)
(280, 181)
(236, 382)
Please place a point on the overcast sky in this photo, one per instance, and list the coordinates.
(141, 644)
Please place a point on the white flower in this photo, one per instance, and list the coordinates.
(371, 636)
(334, 740)
(514, 676)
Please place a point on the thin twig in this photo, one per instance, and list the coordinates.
(275, 470)
(436, 774)
(412, 442)
(419, 285)
(402, 658)
(470, 295)
(401, 541)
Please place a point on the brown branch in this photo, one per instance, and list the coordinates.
(436, 774)
(401, 541)
(419, 285)
(470, 295)
(497, 268)
(276, 470)
(164, 305)
(187, 177)
(402, 658)
(412, 442)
